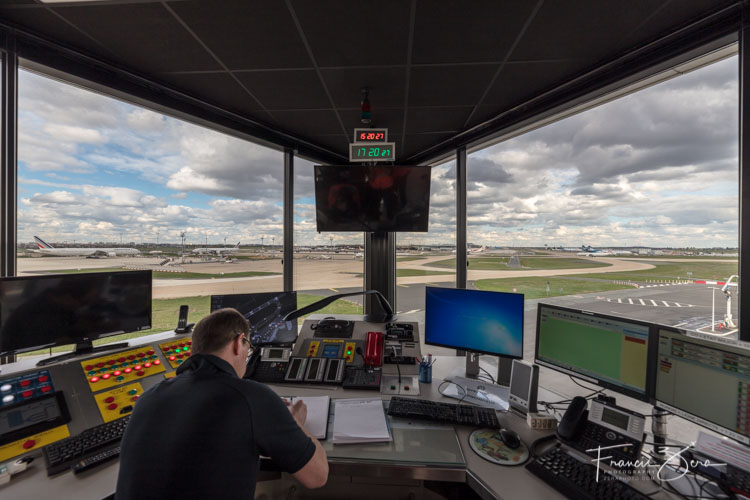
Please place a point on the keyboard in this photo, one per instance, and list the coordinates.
(576, 479)
(96, 460)
(62, 455)
(451, 413)
(361, 378)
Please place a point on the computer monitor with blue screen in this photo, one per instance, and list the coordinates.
(706, 381)
(475, 320)
(610, 351)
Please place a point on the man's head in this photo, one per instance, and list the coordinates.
(224, 333)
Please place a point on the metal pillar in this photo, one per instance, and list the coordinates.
(288, 260)
(8, 177)
(380, 269)
(744, 160)
(461, 217)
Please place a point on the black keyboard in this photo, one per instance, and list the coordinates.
(60, 456)
(737, 480)
(576, 479)
(96, 460)
(462, 414)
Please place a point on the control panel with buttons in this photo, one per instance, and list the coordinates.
(118, 402)
(118, 369)
(25, 387)
(176, 351)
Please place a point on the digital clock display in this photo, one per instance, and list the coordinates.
(370, 134)
(385, 151)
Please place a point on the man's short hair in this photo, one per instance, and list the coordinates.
(218, 329)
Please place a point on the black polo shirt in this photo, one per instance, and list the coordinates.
(200, 434)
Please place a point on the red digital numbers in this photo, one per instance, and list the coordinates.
(371, 137)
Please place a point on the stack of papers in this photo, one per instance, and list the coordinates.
(359, 421)
(317, 414)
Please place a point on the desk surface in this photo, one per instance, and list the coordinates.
(423, 452)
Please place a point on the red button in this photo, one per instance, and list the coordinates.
(135, 398)
(27, 394)
(172, 358)
(174, 347)
(187, 353)
(117, 373)
(110, 400)
(46, 388)
(43, 378)
(106, 376)
(141, 373)
(121, 360)
(131, 357)
(189, 342)
(94, 379)
(141, 354)
(182, 344)
(112, 406)
(138, 367)
(179, 356)
(24, 383)
(111, 362)
(128, 370)
(89, 368)
(150, 353)
(100, 365)
(157, 362)
(29, 444)
(147, 365)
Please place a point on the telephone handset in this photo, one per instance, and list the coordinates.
(606, 428)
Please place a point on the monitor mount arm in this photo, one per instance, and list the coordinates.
(387, 316)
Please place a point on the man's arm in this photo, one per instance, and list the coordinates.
(314, 474)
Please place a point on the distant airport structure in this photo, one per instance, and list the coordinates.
(46, 248)
(218, 250)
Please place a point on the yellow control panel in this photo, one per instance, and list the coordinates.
(349, 350)
(118, 402)
(312, 349)
(176, 351)
(118, 369)
(27, 444)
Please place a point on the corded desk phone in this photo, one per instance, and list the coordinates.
(606, 430)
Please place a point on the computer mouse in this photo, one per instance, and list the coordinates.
(510, 438)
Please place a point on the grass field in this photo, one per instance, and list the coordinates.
(536, 287)
(409, 258)
(675, 270)
(400, 273)
(168, 275)
(164, 314)
(501, 263)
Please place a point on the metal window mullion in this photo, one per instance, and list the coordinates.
(288, 220)
(461, 217)
(744, 173)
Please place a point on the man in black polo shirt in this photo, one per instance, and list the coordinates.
(200, 434)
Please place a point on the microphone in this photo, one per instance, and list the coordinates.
(387, 316)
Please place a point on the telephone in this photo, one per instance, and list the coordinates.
(605, 425)
(268, 364)
(374, 349)
(182, 324)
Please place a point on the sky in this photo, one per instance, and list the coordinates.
(656, 168)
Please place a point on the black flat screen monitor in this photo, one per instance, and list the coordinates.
(616, 353)
(372, 199)
(60, 309)
(475, 320)
(265, 312)
(705, 380)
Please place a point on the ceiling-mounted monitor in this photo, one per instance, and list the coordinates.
(372, 198)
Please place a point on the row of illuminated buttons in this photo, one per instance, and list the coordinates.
(124, 365)
(120, 360)
(180, 356)
(24, 383)
(119, 374)
(9, 398)
(176, 347)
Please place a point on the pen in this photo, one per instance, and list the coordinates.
(429, 359)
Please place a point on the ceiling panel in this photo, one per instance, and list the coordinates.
(387, 86)
(308, 123)
(290, 89)
(450, 119)
(217, 88)
(392, 119)
(239, 33)
(449, 85)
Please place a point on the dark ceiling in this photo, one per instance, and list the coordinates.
(441, 73)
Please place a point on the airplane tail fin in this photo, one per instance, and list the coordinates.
(237, 245)
(41, 243)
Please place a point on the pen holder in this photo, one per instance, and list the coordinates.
(425, 373)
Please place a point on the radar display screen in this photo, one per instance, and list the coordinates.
(265, 313)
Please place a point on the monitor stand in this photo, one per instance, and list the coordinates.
(504, 367)
(81, 349)
(472, 364)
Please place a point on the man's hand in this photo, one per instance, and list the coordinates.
(298, 411)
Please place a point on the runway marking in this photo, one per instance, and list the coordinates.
(333, 290)
(653, 303)
(405, 286)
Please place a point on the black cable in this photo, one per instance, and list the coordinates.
(488, 374)
(398, 366)
(599, 391)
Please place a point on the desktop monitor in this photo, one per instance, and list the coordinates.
(705, 380)
(372, 198)
(60, 309)
(610, 351)
(475, 320)
(265, 313)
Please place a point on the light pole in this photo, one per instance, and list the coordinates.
(182, 235)
(713, 306)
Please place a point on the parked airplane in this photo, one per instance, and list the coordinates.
(593, 252)
(478, 250)
(46, 248)
(218, 250)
